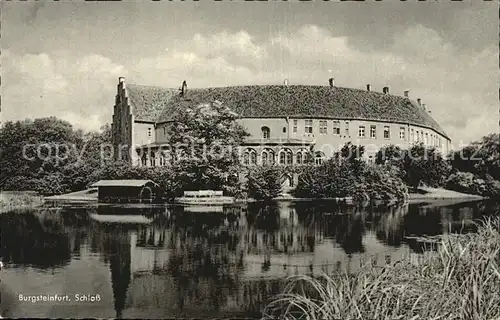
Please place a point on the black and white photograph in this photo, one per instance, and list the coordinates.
(250, 159)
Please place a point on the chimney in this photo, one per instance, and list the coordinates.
(285, 82)
(419, 101)
(184, 88)
(424, 106)
(368, 87)
(385, 90)
(332, 82)
(121, 83)
(406, 93)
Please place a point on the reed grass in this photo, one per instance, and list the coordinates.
(461, 280)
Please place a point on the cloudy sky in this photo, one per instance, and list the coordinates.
(64, 59)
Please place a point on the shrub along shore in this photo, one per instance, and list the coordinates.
(16, 200)
(461, 280)
(475, 169)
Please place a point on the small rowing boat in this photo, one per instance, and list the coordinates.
(204, 197)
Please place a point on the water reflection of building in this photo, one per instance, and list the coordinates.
(203, 262)
(148, 251)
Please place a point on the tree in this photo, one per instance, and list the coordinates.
(264, 182)
(205, 140)
(427, 165)
(476, 167)
(489, 153)
(33, 150)
(481, 157)
(390, 154)
(331, 179)
(47, 155)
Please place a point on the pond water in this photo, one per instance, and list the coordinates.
(167, 262)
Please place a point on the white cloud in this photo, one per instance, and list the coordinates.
(79, 91)
(238, 44)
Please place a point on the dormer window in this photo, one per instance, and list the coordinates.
(265, 132)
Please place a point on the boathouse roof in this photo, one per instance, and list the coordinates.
(122, 183)
(156, 104)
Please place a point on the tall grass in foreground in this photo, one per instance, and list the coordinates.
(460, 281)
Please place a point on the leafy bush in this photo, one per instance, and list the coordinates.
(481, 157)
(380, 183)
(351, 178)
(264, 182)
(327, 181)
(467, 182)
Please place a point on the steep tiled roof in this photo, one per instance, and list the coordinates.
(122, 183)
(148, 102)
(289, 100)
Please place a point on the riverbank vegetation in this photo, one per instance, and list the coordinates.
(474, 169)
(458, 281)
(347, 175)
(18, 200)
(396, 172)
(264, 183)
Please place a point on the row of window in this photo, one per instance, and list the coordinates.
(323, 127)
(373, 132)
(267, 156)
(426, 138)
(285, 157)
(415, 135)
(362, 132)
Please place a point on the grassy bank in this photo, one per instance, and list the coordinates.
(12, 200)
(428, 193)
(461, 280)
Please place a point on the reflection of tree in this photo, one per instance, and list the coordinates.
(116, 247)
(264, 216)
(422, 221)
(387, 222)
(344, 224)
(36, 238)
(204, 273)
(350, 232)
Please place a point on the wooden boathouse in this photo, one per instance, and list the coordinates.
(128, 191)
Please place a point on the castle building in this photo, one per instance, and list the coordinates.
(285, 122)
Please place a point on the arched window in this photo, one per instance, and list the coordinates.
(152, 159)
(319, 157)
(287, 181)
(265, 132)
(246, 158)
(299, 159)
(302, 156)
(250, 157)
(253, 157)
(267, 157)
(286, 157)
